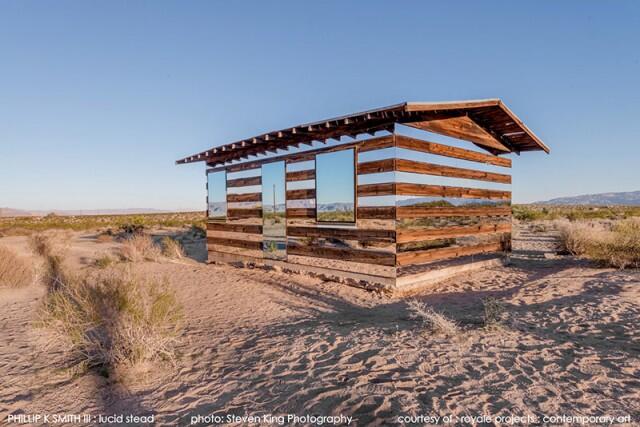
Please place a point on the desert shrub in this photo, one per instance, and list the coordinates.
(132, 228)
(140, 247)
(576, 237)
(171, 248)
(112, 320)
(493, 312)
(51, 248)
(15, 272)
(618, 248)
(434, 321)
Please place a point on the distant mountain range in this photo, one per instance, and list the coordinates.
(631, 198)
(6, 212)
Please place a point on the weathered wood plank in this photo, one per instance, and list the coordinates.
(353, 255)
(304, 175)
(343, 233)
(236, 243)
(407, 189)
(377, 144)
(236, 228)
(244, 213)
(448, 151)
(245, 182)
(375, 212)
(420, 257)
(305, 194)
(385, 189)
(301, 212)
(246, 197)
(420, 235)
(411, 166)
(441, 211)
(377, 166)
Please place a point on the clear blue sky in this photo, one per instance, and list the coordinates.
(97, 99)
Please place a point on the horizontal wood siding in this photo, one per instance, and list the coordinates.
(407, 189)
(436, 211)
(246, 197)
(301, 194)
(384, 189)
(420, 257)
(244, 182)
(448, 151)
(244, 213)
(375, 212)
(301, 212)
(344, 254)
(424, 234)
(377, 166)
(411, 166)
(343, 233)
(236, 243)
(403, 165)
(304, 175)
(235, 228)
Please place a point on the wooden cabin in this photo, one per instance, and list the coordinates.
(395, 197)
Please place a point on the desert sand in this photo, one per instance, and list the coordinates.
(263, 342)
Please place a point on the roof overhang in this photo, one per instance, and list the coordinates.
(487, 123)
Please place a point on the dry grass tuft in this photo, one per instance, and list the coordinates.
(171, 248)
(51, 247)
(113, 321)
(15, 272)
(434, 321)
(618, 247)
(493, 312)
(140, 247)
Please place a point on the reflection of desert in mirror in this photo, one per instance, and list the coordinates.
(274, 210)
(335, 175)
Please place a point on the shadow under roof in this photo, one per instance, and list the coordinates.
(487, 123)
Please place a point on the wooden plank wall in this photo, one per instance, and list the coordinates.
(359, 248)
(433, 232)
(241, 232)
(351, 248)
(418, 235)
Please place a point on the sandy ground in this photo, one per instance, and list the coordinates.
(258, 342)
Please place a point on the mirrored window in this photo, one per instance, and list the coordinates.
(335, 186)
(217, 195)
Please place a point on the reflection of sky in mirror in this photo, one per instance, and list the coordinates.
(217, 193)
(273, 177)
(335, 177)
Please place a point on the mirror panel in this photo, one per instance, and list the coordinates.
(217, 195)
(274, 225)
(335, 186)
